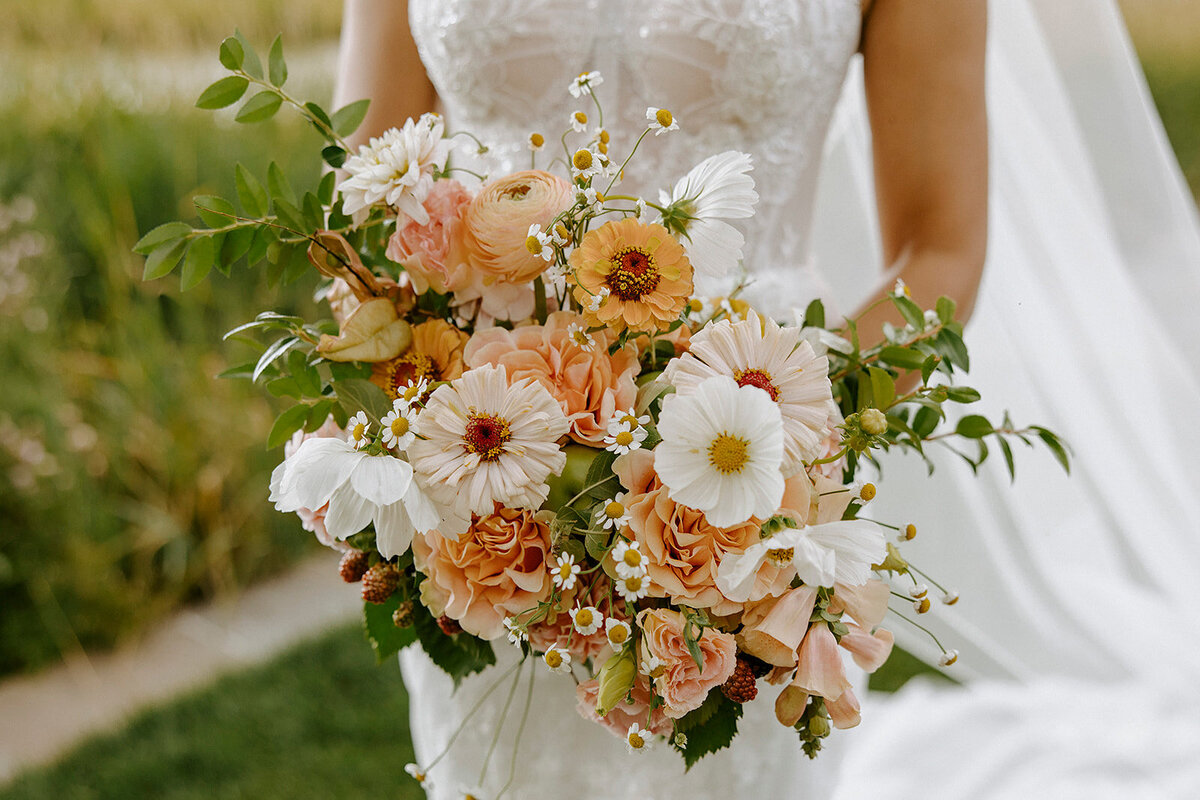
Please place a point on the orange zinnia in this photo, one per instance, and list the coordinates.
(436, 354)
(644, 272)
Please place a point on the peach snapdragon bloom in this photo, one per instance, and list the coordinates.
(436, 354)
(497, 569)
(589, 384)
(683, 685)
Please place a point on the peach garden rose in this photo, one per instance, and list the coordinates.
(683, 686)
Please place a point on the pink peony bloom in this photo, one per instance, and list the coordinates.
(819, 670)
(683, 686)
(589, 385)
(313, 520)
(432, 253)
(622, 715)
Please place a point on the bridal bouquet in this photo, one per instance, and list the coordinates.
(523, 427)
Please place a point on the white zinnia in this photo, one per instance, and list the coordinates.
(721, 451)
(717, 189)
(757, 352)
(486, 442)
(359, 489)
(821, 555)
(396, 168)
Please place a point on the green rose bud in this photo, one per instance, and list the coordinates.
(616, 679)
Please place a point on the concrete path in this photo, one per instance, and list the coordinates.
(43, 715)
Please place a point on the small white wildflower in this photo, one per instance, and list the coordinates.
(536, 142)
(626, 421)
(586, 82)
(617, 631)
(633, 587)
(399, 425)
(629, 559)
(918, 591)
(417, 774)
(559, 235)
(652, 666)
(539, 243)
(413, 392)
(580, 337)
(565, 572)
(948, 658)
(625, 440)
(637, 738)
(901, 288)
(589, 197)
(579, 121)
(587, 162)
(639, 208)
(597, 299)
(360, 430)
(587, 620)
(557, 659)
(613, 513)
(950, 597)
(515, 634)
(661, 120)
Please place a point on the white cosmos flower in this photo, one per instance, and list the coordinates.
(359, 488)
(721, 451)
(396, 168)
(758, 352)
(717, 189)
(821, 555)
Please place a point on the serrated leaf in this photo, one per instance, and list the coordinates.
(716, 733)
(276, 350)
(459, 655)
(385, 638)
(216, 212)
(285, 425)
(974, 426)
(279, 185)
(250, 63)
(231, 53)
(222, 93)
(883, 387)
(334, 156)
(250, 192)
(814, 315)
(356, 394)
(276, 66)
(201, 256)
(164, 259)
(347, 118)
(904, 357)
(167, 232)
(260, 107)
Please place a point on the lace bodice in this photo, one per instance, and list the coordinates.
(761, 76)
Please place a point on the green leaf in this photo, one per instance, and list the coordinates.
(285, 387)
(599, 475)
(962, 394)
(267, 319)
(385, 638)
(317, 414)
(347, 118)
(214, 211)
(1051, 440)
(306, 377)
(260, 107)
(295, 263)
(314, 214)
(275, 64)
(1006, 449)
(356, 394)
(250, 192)
(326, 187)
(974, 426)
(459, 655)
(716, 733)
(814, 315)
(904, 357)
(928, 366)
(911, 312)
(278, 183)
(237, 244)
(286, 424)
(273, 352)
(167, 232)
(925, 421)
(240, 371)
(290, 216)
(231, 54)
(945, 309)
(883, 387)
(250, 64)
(334, 156)
(951, 347)
(222, 93)
(164, 259)
(199, 262)
(319, 113)
(901, 667)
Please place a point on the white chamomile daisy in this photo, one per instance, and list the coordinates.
(717, 189)
(557, 659)
(626, 420)
(539, 243)
(901, 288)
(597, 299)
(418, 775)
(639, 208)
(722, 450)
(629, 559)
(661, 120)
(948, 658)
(536, 141)
(637, 738)
(565, 572)
(617, 631)
(624, 439)
(586, 619)
(412, 393)
(652, 666)
(514, 632)
(589, 197)
(613, 513)
(580, 337)
(586, 82)
(633, 586)
(587, 162)
(399, 425)
(579, 121)
(359, 429)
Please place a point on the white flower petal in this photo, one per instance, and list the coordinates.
(857, 545)
(349, 512)
(381, 479)
(317, 469)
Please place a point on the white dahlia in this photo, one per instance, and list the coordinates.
(397, 168)
(716, 189)
(359, 489)
(487, 442)
(757, 352)
(721, 451)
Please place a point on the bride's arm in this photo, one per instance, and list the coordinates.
(924, 69)
(378, 59)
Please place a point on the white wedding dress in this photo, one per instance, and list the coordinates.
(1075, 626)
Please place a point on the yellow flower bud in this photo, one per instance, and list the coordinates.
(616, 679)
(867, 492)
(873, 421)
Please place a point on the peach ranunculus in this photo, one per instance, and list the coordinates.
(622, 715)
(432, 254)
(496, 223)
(682, 550)
(436, 354)
(682, 685)
(558, 628)
(496, 569)
(589, 385)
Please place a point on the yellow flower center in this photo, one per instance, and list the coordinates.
(658, 671)
(728, 454)
(581, 338)
(632, 557)
(636, 741)
(633, 274)
(604, 137)
(781, 556)
(603, 147)
(581, 117)
(412, 367)
(553, 659)
(536, 139)
(584, 617)
(359, 432)
(565, 569)
(486, 435)
(561, 230)
(633, 584)
(624, 438)
(664, 117)
(399, 427)
(533, 245)
(868, 492)
(757, 377)
(582, 159)
(618, 634)
(629, 419)
(614, 509)
(695, 306)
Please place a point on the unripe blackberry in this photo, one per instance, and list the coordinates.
(353, 566)
(757, 665)
(740, 687)
(403, 615)
(449, 626)
(380, 582)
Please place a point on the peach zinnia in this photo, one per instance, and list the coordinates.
(640, 273)
(436, 354)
